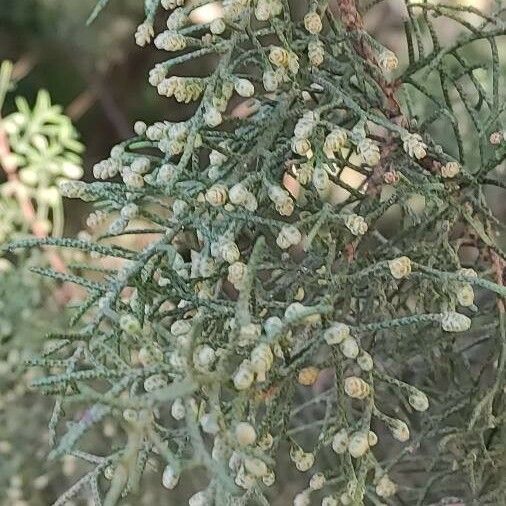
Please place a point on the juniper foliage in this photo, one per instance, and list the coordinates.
(321, 271)
(38, 149)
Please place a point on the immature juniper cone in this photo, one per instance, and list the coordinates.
(308, 296)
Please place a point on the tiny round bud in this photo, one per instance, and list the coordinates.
(216, 195)
(269, 478)
(178, 411)
(302, 499)
(308, 375)
(365, 362)
(340, 441)
(497, 138)
(245, 434)
(217, 26)
(465, 295)
(455, 322)
(255, 467)
(336, 333)
(198, 499)
(386, 487)
(349, 347)
(372, 438)
(399, 430)
(212, 117)
(358, 444)
(129, 324)
(400, 267)
(450, 170)
(355, 224)
(244, 88)
(418, 400)
(209, 423)
(140, 127)
(313, 23)
(388, 60)
(266, 441)
(244, 376)
(317, 481)
(356, 387)
(170, 477)
(288, 236)
(229, 251)
(270, 81)
(237, 274)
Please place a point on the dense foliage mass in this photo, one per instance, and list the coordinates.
(319, 281)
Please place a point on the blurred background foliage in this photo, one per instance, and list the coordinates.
(98, 75)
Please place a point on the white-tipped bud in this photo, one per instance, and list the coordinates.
(181, 327)
(209, 423)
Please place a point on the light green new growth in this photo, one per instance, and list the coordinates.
(303, 291)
